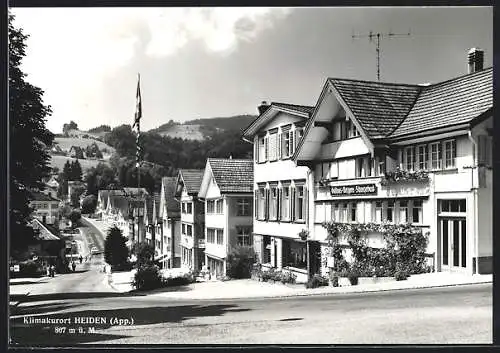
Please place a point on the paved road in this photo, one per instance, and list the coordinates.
(425, 316)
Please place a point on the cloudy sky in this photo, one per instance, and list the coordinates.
(213, 62)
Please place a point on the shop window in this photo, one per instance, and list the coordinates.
(417, 211)
(403, 211)
(294, 254)
(390, 211)
(244, 236)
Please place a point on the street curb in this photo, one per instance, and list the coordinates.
(324, 294)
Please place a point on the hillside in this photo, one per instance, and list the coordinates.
(59, 161)
(200, 129)
(66, 142)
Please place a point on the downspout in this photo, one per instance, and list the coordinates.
(172, 235)
(474, 194)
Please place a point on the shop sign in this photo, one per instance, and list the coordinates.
(16, 268)
(346, 190)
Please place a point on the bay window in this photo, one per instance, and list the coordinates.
(210, 206)
(211, 235)
(218, 206)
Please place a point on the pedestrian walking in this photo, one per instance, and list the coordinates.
(73, 265)
(81, 258)
(52, 270)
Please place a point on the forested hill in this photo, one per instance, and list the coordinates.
(237, 122)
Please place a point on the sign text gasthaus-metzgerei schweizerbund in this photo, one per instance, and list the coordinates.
(365, 189)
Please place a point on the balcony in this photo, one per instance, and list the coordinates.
(402, 177)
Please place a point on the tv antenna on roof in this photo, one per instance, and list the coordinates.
(377, 36)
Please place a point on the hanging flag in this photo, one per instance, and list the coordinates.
(138, 105)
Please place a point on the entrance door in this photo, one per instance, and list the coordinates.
(453, 243)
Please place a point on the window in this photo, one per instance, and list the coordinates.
(262, 149)
(299, 132)
(211, 235)
(335, 212)
(351, 129)
(285, 203)
(273, 204)
(243, 207)
(422, 157)
(343, 212)
(353, 212)
(183, 228)
(300, 204)
(218, 205)
(294, 254)
(390, 211)
(244, 236)
(417, 211)
(359, 167)
(403, 211)
(266, 256)
(453, 205)
(210, 206)
(287, 142)
(368, 167)
(220, 237)
(378, 211)
(261, 202)
(189, 208)
(273, 146)
(189, 230)
(408, 158)
(435, 152)
(450, 153)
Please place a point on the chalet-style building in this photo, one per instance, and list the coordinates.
(192, 218)
(170, 216)
(45, 207)
(397, 153)
(282, 189)
(227, 190)
(76, 152)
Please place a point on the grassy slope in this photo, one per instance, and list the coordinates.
(66, 142)
(188, 132)
(59, 161)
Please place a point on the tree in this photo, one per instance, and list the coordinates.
(89, 204)
(66, 173)
(123, 140)
(100, 178)
(76, 171)
(144, 253)
(75, 217)
(115, 248)
(71, 126)
(239, 262)
(29, 141)
(76, 192)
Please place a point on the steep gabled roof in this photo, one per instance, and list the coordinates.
(40, 196)
(168, 185)
(449, 103)
(378, 107)
(232, 175)
(192, 179)
(45, 233)
(301, 111)
(119, 203)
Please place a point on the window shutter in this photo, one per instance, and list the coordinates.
(306, 206)
(292, 204)
(266, 205)
(278, 204)
(256, 204)
(292, 142)
(278, 146)
(266, 148)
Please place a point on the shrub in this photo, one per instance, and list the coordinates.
(266, 276)
(29, 268)
(144, 253)
(317, 281)
(288, 277)
(334, 278)
(240, 261)
(277, 276)
(147, 277)
(401, 275)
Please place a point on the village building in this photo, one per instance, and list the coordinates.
(227, 192)
(386, 153)
(118, 212)
(281, 188)
(170, 217)
(76, 152)
(192, 218)
(45, 207)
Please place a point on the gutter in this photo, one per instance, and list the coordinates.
(474, 194)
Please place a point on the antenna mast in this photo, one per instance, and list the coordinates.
(377, 36)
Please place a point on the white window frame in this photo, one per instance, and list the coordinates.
(300, 211)
(419, 211)
(435, 157)
(243, 208)
(273, 144)
(244, 234)
(273, 203)
(285, 203)
(453, 151)
(261, 203)
(219, 235)
(422, 164)
(262, 149)
(409, 163)
(378, 212)
(219, 206)
(403, 210)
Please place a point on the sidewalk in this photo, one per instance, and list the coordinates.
(21, 287)
(247, 288)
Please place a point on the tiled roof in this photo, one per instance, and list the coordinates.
(40, 196)
(44, 233)
(232, 175)
(300, 108)
(119, 203)
(449, 103)
(378, 107)
(169, 192)
(148, 201)
(135, 191)
(103, 194)
(156, 198)
(192, 179)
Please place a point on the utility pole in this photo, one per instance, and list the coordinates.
(377, 36)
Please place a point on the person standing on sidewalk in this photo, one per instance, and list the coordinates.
(73, 265)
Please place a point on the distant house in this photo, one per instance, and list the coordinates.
(48, 246)
(56, 149)
(192, 218)
(73, 185)
(227, 189)
(45, 207)
(102, 200)
(51, 187)
(170, 216)
(76, 152)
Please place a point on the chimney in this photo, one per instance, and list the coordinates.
(475, 60)
(262, 107)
